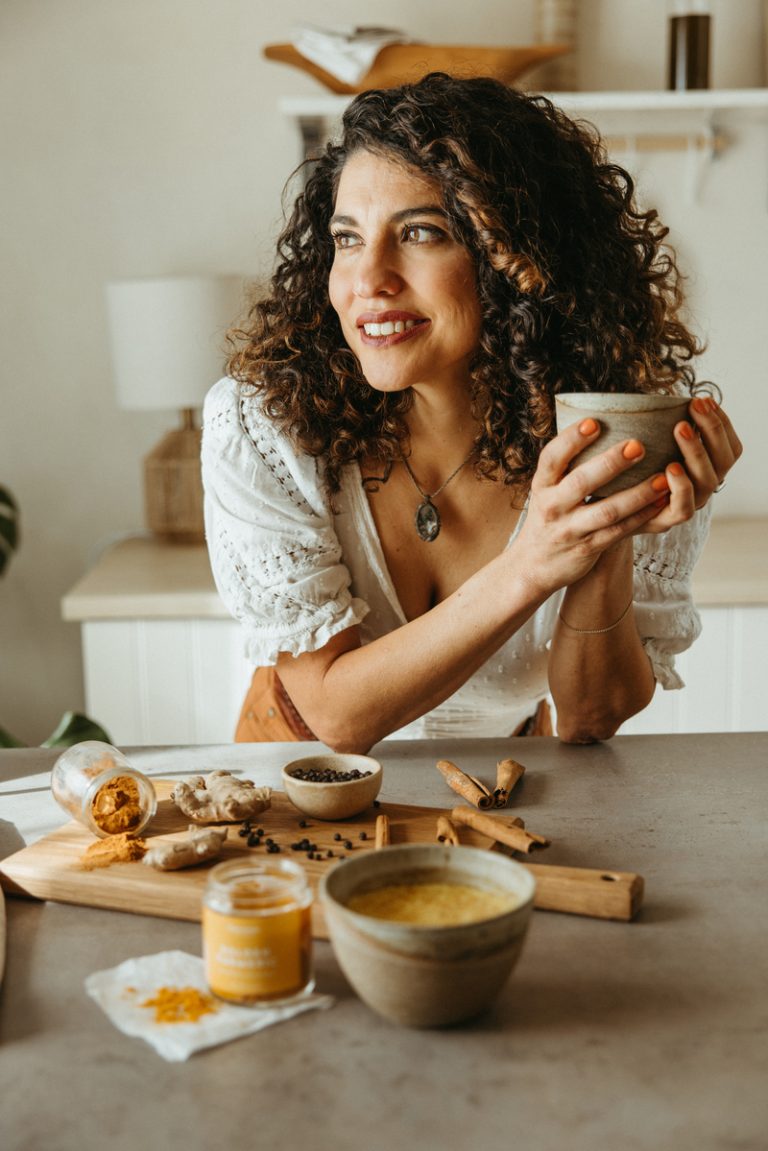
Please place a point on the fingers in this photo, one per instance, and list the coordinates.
(710, 451)
(575, 486)
(716, 429)
(559, 452)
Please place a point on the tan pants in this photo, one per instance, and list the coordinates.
(268, 714)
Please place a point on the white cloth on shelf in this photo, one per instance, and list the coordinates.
(346, 52)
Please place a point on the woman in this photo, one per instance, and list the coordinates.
(390, 513)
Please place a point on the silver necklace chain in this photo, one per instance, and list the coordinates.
(428, 522)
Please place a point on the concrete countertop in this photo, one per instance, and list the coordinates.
(147, 578)
(609, 1036)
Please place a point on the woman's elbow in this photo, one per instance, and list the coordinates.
(597, 724)
(344, 737)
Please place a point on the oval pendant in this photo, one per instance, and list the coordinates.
(427, 521)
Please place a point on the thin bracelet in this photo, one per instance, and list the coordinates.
(597, 630)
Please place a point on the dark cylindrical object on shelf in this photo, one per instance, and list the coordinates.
(689, 52)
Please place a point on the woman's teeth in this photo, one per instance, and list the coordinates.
(390, 327)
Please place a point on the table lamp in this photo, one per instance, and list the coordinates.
(168, 348)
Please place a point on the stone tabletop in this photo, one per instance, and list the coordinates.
(609, 1036)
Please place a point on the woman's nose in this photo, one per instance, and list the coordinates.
(376, 273)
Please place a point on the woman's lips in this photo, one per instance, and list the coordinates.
(389, 328)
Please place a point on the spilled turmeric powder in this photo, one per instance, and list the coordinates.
(180, 1004)
(116, 807)
(113, 849)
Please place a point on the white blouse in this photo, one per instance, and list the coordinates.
(294, 572)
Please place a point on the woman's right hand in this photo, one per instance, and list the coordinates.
(565, 535)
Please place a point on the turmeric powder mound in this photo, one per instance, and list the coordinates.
(116, 806)
(180, 1004)
(113, 849)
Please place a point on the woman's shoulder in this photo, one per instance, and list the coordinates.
(239, 433)
(231, 408)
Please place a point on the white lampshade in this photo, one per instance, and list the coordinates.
(167, 337)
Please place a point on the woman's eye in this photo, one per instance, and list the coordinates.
(421, 234)
(345, 239)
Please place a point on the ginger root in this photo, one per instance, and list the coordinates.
(201, 844)
(220, 798)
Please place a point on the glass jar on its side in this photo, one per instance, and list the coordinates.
(96, 784)
(257, 932)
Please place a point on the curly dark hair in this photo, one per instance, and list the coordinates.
(577, 290)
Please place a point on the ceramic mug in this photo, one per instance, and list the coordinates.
(649, 418)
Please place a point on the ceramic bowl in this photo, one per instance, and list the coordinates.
(421, 976)
(625, 416)
(333, 800)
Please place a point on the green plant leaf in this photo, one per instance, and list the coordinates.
(74, 728)
(9, 527)
(8, 740)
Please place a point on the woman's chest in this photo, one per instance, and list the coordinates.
(469, 523)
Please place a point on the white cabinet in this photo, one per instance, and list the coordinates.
(163, 661)
(164, 681)
(725, 674)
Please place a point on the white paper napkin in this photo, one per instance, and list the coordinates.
(122, 990)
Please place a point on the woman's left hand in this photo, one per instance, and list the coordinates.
(709, 449)
(709, 456)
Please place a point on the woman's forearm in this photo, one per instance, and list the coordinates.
(351, 696)
(599, 674)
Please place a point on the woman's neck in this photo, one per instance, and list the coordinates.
(442, 429)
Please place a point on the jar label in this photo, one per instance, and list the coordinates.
(254, 957)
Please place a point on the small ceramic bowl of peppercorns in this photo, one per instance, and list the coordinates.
(332, 786)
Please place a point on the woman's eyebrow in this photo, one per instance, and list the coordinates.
(397, 217)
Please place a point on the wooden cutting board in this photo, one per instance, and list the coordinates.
(51, 868)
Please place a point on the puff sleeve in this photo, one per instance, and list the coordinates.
(664, 610)
(274, 553)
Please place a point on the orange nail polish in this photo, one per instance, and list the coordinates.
(659, 484)
(676, 469)
(588, 427)
(633, 450)
(686, 431)
(702, 405)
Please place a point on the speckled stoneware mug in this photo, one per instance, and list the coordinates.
(626, 416)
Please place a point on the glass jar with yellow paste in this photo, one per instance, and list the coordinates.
(257, 931)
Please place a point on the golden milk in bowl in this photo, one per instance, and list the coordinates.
(427, 935)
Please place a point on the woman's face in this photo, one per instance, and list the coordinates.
(403, 288)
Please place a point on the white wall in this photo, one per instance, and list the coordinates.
(143, 138)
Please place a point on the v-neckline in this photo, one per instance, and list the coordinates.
(372, 540)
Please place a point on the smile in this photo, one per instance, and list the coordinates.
(390, 327)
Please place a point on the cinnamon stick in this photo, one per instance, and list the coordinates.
(506, 831)
(382, 831)
(464, 785)
(508, 773)
(446, 831)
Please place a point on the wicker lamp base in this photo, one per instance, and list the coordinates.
(173, 487)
